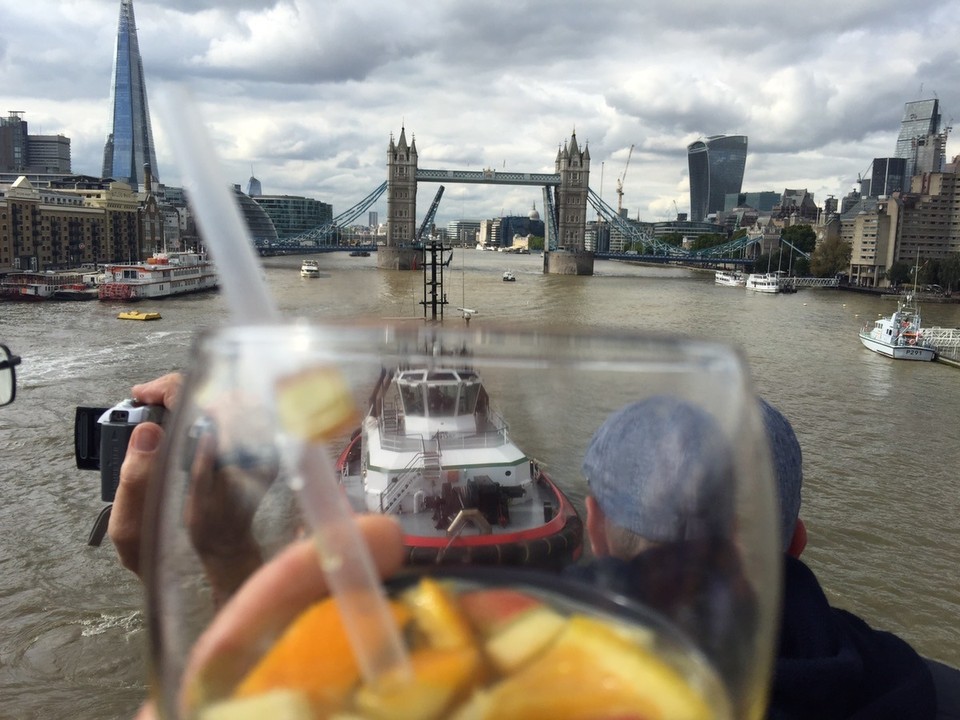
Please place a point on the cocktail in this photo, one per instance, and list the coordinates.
(265, 598)
(269, 414)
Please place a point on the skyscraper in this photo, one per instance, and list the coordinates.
(716, 169)
(129, 146)
(918, 136)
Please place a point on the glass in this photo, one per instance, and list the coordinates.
(8, 375)
(501, 485)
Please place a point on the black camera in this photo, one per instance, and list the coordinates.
(101, 435)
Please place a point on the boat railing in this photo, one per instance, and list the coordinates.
(494, 434)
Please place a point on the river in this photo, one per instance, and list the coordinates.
(880, 438)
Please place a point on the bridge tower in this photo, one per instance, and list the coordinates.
(399, 252)
(570, 256)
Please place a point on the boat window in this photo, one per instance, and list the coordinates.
(468, 398)
(411, 395)
(442, 398)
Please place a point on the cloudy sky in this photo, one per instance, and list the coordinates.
(305, 94)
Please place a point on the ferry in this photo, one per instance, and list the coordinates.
(731, 278)
(310, 269)
(764, 282)
(51, 285)
(163, 275)
(433, 452)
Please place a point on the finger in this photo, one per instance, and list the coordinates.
(164, 390)
(269, 601)
(126, 517)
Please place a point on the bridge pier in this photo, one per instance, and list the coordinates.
(393, 257)
(567, 262)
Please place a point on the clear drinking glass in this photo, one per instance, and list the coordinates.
(474, 439)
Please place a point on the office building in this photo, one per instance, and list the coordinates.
(887, 176)
(129, 145)
(21, 152)
(716, 169)
(763, 201)
(293, 215)
(917, 139)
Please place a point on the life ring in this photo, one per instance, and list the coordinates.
(912, 341)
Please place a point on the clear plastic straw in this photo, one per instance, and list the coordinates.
(218, 215)
(344, 556)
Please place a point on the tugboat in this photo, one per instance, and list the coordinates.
(436, 454)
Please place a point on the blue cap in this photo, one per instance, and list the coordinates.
(787, 466)
(662, 468)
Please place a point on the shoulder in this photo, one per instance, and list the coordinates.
(946, 681)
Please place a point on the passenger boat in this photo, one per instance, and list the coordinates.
(50, 285)
(764, 282)
(434, 453)
(310, 269)
(137, 315)
(508, 276)
(163, 275)
(732, 278)
(899, 336)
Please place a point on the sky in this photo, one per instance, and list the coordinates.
(305, 94)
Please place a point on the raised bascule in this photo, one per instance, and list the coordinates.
(565, 200)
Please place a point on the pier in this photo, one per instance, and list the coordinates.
(947, 343)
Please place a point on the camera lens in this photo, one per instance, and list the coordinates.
(119, 416)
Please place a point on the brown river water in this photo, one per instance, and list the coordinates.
(881, 443)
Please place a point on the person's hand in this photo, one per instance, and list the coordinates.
(126, 517)
(266, 603)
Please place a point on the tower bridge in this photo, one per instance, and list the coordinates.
(567, 199)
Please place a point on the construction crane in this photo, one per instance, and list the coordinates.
(620, 183)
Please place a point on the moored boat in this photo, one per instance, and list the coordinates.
(731, 278)
(163, 275)
(434, 453)
(763, 282)
(899, 336)
(310, 269)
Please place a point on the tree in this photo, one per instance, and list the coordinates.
(801, 237)
(535, 243)
(830, 257)
(899, 273)
(950, 272)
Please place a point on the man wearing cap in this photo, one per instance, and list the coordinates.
(644, 479)
(660, 519)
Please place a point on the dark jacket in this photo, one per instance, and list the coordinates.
(831, 664)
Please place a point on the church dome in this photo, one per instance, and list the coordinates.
(534, 215)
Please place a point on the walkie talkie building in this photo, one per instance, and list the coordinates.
(129, 145)
(716, 169)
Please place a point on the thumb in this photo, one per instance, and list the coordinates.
(126, 517)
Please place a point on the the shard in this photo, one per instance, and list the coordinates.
(129, 145)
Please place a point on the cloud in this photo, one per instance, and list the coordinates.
(307, 94)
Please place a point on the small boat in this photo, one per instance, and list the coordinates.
(899, 336)
(310, 269)
(731, 278)
(764, 282)
(508, 276)
(433, 452)
(138, 315)
(359, 253)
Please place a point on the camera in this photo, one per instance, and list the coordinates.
(101, 435)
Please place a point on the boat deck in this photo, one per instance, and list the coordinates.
(526, 512)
